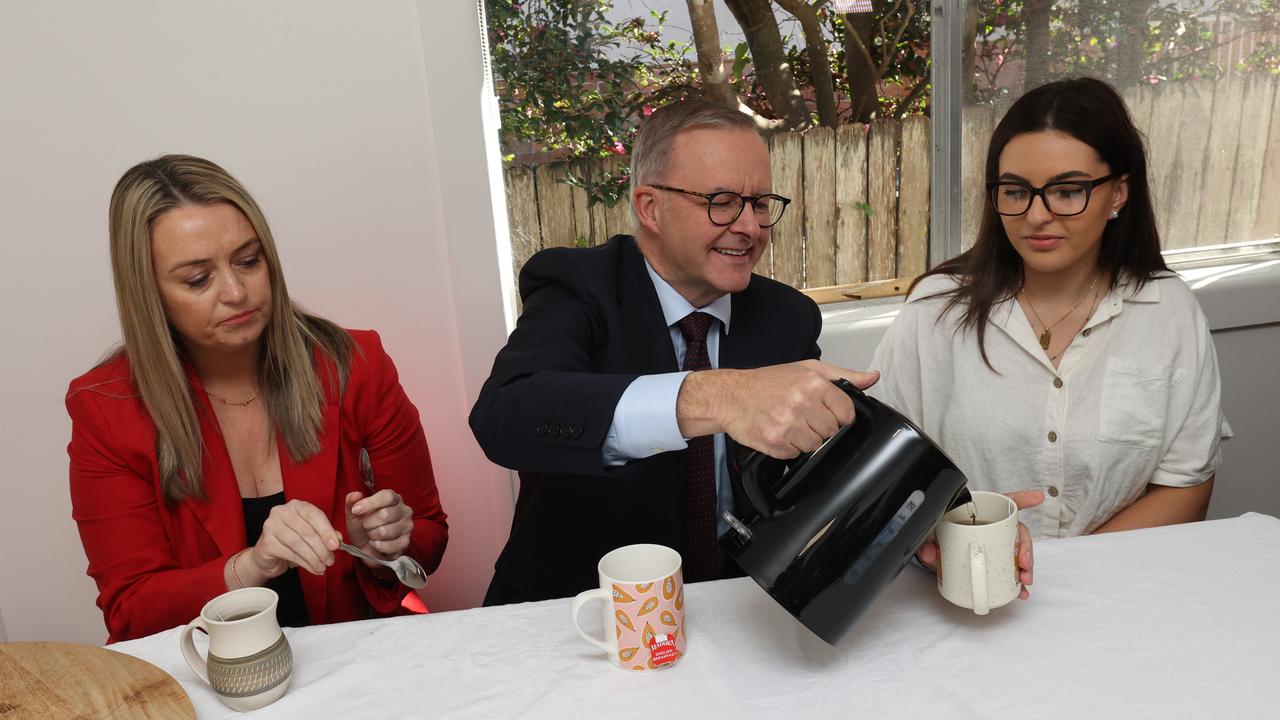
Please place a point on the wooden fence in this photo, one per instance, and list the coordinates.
(860, 193)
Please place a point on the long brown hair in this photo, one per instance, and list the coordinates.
(290, 386)
(1092, 112)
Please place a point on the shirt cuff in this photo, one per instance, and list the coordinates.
(644, 421)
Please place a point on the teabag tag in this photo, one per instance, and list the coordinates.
(662, 649)
(972, 507)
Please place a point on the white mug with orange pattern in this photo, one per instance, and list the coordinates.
(643, 602)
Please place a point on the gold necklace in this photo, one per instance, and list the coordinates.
(237, 403)
(1092, 306)
(1047, 336)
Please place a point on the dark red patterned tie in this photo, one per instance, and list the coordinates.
(699, 537)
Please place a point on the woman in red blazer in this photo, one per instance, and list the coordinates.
(222, 446)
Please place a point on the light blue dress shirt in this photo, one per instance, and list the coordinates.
(644, 422)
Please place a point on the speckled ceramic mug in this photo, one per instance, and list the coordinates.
(979, 564)
(250, 662)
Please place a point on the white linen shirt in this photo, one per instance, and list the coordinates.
(1135, 399)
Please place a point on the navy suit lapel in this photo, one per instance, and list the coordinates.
(645, 330)
(744, 346)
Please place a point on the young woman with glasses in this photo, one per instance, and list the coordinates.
(1059, 353)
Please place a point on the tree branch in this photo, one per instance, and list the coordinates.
(715, 83)
(866, 51)
(901, 112)
(815, 43)
(897, 38)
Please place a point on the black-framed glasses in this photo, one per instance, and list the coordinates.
(1063, 198)
(724, 207)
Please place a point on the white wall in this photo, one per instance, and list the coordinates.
(358, 127)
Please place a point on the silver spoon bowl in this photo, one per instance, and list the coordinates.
(409, 572)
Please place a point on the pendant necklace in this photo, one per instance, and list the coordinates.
(1046, 337)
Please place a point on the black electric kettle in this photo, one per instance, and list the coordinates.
(832, 528)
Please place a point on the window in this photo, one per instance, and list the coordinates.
(1201, 82)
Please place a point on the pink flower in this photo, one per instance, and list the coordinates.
(617, 148)
(646, 110)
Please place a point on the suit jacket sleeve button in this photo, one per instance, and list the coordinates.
(577, 431)
(566, 432)
(541, 429)
(553, 430)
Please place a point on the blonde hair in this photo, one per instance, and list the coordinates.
(289, 383)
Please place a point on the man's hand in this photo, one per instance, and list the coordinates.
(782, 410)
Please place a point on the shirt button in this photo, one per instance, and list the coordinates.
(1053, 436)
(1086, 332)
(1057, 382)
(1053, 491)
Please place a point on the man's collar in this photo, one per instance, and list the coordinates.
(675, 307)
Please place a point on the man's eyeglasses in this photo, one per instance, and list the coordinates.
(1063, 198)
(724, 207)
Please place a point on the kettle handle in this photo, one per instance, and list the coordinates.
(749, 469)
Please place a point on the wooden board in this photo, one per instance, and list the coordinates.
(617, 219)
(851, 203)
(522, 216)
(1162, 151)
(1220, 162)
(882, 189)
(584, 217)
(555, 206)
(787, 237)
(1266, 222)
(1255, 121)
(51, 680)
(1187, 174)
(978, 124)
(820, 207)
(1138, 99)
(913, 197)
(892, 287)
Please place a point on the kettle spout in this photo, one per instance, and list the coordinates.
(962, 497)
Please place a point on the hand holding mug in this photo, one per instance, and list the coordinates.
(982, 549)
(380, 524)
(929, 554)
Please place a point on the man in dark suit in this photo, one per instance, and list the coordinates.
(633, 361)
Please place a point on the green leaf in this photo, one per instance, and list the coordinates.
(741, 56)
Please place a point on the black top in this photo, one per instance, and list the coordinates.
(292, 610)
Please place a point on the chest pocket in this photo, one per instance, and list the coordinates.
(1135, 401)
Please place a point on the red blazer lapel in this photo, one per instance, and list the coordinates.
(222, 515)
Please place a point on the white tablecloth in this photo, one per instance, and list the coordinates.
(1175, 622)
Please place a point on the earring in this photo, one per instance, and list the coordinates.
(1115, 214)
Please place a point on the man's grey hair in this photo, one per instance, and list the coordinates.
(651, 153)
